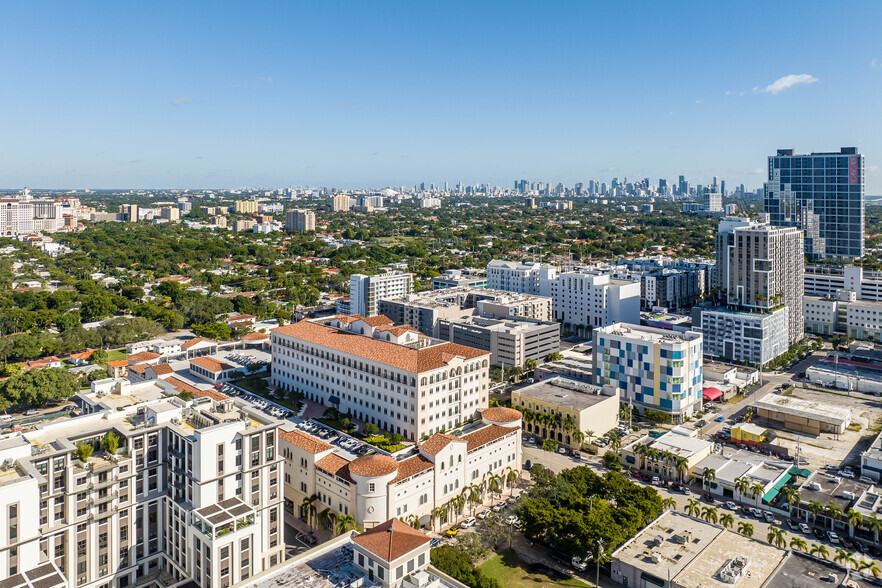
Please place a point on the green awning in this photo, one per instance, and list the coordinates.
(802, 473)
(773, 491)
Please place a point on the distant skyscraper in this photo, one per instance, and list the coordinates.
(682, 186)
(662, 186)
(821, 194)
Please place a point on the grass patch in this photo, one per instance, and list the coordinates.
(511, 572)
(117, 354)
(384, 443)
(336, 424)
(735, 399)
(854, 427)
(256, 384)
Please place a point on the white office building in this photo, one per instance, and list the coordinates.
(366, 291)
(655, 368)
(388, 375)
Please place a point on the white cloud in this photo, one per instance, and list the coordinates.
(782, 84)
(874, 64)
(699, 101)
(756, 172)
(182, 100)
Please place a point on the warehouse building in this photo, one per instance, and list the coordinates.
(805, 416)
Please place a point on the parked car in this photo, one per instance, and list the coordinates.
(756, 512)
(577, 456)
(499, 507)
(483, 514)
(700, 424)
(635, 474)
(578, 564)
(708, 497)
(655, 480)
(846, 543)
(528, 465)
(720, 419)
(770, 518)
(32, 412)
(532, 441)
(805, 528)
(451, 532)
(833, 537)
(469, 522)
(512, 499)
(511, 520)
(562, 450)
(731, 505)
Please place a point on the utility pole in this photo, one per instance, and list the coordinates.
(599, 556)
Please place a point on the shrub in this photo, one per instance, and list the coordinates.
(611, 461)
(110, 442)
(84, 451)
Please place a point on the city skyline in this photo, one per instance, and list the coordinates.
(291, 94)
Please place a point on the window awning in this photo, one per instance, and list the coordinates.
(711, 394)
(773, 491)
(334, 400)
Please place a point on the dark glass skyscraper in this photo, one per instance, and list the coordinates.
(822, 194)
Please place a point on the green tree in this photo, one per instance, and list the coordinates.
(110, 442)
(99, 356)
(84, 451)
(611, 461)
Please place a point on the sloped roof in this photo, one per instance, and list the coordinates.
(411, 466)
(375, 350)
(195, 341)
(162, 369)
(391, 540)
(501, 414)
(336, 465)
(373, 465)
(437, 442)
(305, 441)
(143, 356)
(212, 364)
(487, 434)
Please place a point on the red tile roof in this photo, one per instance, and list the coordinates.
(305, 441)
(487, 434)
(83, 355)
(240, 317)
(411, 466)
(194, 341)
(370, 466)
(501, 414)
(118, 363)
(141, 368)
(398, 330)
(391, 540)
(143, 356)
(378, 320)
(437, 442)
(384, 352)
(335, 465)
(162, 369)
(256, 336)
(212, 364)
(181, 385)
(213, 394)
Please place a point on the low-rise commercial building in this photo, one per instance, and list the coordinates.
(796, 414)
(558, 407)
(511, 342)
(680, 551)
(871, 460)
(757, 472)
(655, 368)
(673, 456)
(456, 278)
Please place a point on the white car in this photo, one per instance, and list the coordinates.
(731, 505)
(511, 520)
(833, 537)
(32, 412)
(655, 480)
(770, 518)
(469, 522)
(578, 564)
(499, 507)
(512, 499)
(805, 528)
(483, 514)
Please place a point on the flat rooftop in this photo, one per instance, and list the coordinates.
(809, 409)
(674, 539)
(327, 565)
(679, 445)
(825, 488)
(566, 392)
(762, 560)
(650, 334)
(799, 571)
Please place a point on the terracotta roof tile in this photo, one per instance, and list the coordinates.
(213, 394)
(378, 320)
(305, 441)
(194, 341)
(212, 364)
(335, 465)
(256, 336)
(182, 386)
(140, 368)
(162, 369)
(240, 317)
(143, 356)
(373, 465)
(391, 540)
(83, 355)
(118, 363)
(501, 414)
(437, 442)
(411, 466)
(383, 352)
(487, 434)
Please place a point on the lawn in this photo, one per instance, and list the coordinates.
(117, 354)
(255, 383)
(513, 573)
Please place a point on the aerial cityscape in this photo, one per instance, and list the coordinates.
(462, 295)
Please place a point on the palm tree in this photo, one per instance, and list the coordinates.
(742, 486)
(511, 479)
(709, 476)
(458, 503)
(756, 491)
(346, 523)
(776, 536)
(693, 508)
(682, 468)
(589, 435)
(615, 443)
(495, 484)
(709, 514)
(748, 414)
(798, 543)
(820, 551)
(727, 520)
(855, 520)
(474, 495)
(817, 508)
(845, 558)
(669, 504)
(745, 529)
(437, 514)
(793, 497)
(578, 438)
(413, 521)
(327, 518)
(309, 508)
(834, 513)
(870, 566)
(874, 524)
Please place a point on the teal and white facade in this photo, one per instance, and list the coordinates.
(656, 369)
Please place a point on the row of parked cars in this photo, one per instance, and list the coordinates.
(261, 403)
(499, 507)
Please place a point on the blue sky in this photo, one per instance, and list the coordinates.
(222, 94)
